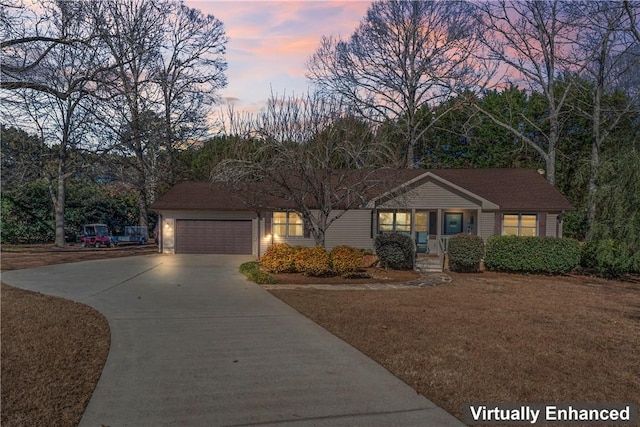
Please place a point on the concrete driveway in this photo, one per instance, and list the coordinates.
(193, 343)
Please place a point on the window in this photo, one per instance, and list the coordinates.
(520, 224)
(394, 222)
(287, 224)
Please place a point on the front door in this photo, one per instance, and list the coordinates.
(452, 223)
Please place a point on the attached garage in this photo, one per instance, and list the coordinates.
(213, 236)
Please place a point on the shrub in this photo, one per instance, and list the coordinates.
(528, 254)
(252, 271)
(346, 259)
(395, 250)
(611, 258)
(313, 261)
(465, 252)
(279, 258)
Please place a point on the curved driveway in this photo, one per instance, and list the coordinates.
(193, 343)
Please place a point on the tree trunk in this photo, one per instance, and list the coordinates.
(59, 209)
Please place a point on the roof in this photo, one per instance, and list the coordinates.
(510, 189)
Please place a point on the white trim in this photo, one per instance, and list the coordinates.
(486, 204)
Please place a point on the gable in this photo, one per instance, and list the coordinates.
(433, 195)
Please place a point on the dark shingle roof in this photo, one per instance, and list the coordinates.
(511, 189)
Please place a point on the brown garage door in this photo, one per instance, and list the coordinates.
(213, 237)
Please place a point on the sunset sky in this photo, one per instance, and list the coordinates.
(270, 42)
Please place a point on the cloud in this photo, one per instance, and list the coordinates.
(270, 42)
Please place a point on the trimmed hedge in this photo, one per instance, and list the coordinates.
(395, 250)
(313, 261)
(252, 271)
(279, 258)
(465, 252)
(532, 254)
(346, 259)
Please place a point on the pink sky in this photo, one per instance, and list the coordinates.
(270, 42)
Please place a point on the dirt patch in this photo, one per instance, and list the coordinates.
(494, 337)
(29, 256)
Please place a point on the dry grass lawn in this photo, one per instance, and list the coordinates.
(53, 350)
(484, 337)
(494, 337)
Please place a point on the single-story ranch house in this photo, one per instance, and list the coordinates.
(429, 205)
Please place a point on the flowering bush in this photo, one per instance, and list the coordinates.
(313, 261)
(279, 258)
(346, 259)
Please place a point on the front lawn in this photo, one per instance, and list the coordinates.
(494, 337)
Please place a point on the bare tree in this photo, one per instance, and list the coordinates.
(633, 9)
(611, 56)
(404, 57)
(532, 39)
(170, 64)
(294, 151)
(61, 115)
(29, 36)
(189, 72)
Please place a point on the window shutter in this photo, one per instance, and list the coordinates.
(267, 223)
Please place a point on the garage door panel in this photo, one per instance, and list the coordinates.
(214, 236)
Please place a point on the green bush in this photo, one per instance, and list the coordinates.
(611, 258)
(252, 271)
(395, 250)
(314, 261)
(279, 258)
(346, 259)
(465, 252)
(532, 254)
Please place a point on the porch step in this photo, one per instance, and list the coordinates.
(428, 264)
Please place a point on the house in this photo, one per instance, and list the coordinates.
(429, 205)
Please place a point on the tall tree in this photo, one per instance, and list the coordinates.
(610, 55)
(404, 57)
(61, 115)
(532, 39)
(189, 72)
(170, 65)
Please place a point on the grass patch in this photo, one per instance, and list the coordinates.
(53, 351)
(252, 270)
(494, 337)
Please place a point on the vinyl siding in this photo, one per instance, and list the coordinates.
(552, 220)
(432, 196)
(487, 224)
(353, 228)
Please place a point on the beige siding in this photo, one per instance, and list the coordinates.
(351, 229)
(431, 195)
(487, 224)
(552, 221)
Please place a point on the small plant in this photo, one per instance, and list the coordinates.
(314, 261)
(252, 271)
(279, 258)
(346, 259)
(395, 250)
(465, 252)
